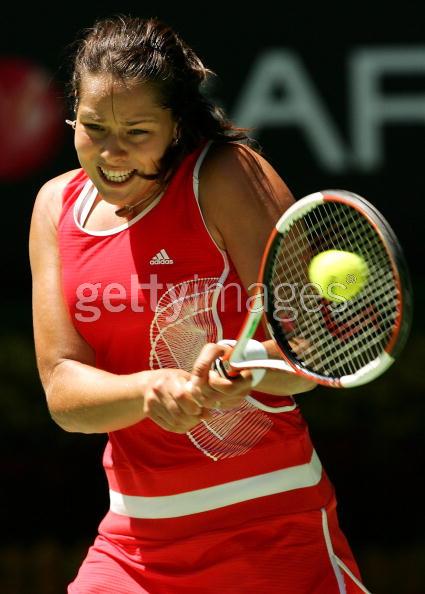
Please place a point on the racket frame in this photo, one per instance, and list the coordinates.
(231, 364)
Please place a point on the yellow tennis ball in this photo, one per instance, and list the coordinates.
(339, 275)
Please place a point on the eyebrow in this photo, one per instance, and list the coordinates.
(141, 120)
(137, 120)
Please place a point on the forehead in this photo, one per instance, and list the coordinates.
(104, 96)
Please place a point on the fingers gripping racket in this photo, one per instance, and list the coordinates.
(342, 342)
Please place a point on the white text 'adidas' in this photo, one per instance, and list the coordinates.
(161, 258)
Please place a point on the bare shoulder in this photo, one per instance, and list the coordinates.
(48, 203)
(44, 221)
(236, 164)
(240, 189)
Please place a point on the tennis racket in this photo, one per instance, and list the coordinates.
(343, 344)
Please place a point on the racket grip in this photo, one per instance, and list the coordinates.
(253, 350)
(223, 368)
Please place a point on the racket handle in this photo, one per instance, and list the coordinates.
(224, 369)
(253, 350)
(222, 364)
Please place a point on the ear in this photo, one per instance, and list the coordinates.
(176, 132)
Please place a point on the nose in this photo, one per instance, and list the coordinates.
(113, 149)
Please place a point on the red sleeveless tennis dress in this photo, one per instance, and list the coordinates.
(239, 505)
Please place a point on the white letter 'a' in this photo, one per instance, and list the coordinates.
(297, 104)
(371, 109)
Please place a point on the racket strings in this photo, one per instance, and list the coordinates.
(358, 314)
(184, 321)
(336, 339)
(360, 232)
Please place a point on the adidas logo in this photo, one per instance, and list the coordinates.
(161, 258)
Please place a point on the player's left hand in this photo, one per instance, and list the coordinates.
(209, 389)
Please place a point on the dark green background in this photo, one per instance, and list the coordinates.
(370, 439)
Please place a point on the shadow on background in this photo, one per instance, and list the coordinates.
(370, 439)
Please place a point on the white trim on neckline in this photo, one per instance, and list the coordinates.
(84, 203)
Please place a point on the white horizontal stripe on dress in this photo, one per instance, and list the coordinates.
(201, 500)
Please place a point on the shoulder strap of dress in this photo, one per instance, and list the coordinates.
(197, 168)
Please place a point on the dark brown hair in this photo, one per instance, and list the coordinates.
(149, 51)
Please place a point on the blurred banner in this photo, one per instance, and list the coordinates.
(31, 118)
(336, 99)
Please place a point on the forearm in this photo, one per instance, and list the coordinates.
(84, 399)
(281, 382)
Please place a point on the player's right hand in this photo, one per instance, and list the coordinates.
(214, 391)
(169, 403)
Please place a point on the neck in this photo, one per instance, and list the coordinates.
(147, 195)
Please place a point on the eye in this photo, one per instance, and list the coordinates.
(137, 132)
(94, 127)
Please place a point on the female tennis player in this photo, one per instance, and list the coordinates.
(142, 262)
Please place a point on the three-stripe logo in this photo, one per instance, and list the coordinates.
(161, 258)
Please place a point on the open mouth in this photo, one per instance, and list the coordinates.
(117, 177)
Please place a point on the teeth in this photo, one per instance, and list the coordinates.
(117, 176)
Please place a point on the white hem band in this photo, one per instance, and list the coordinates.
(202, 500)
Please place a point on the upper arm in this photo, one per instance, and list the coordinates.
(242, 198)
(56, 339)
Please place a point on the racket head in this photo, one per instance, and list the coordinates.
(351, 342)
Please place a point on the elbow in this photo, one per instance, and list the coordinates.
(63, 422)
(304, 385)
(70, 422)
(63, 417)
(61, 405)
(58, 411)
(309, 386)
